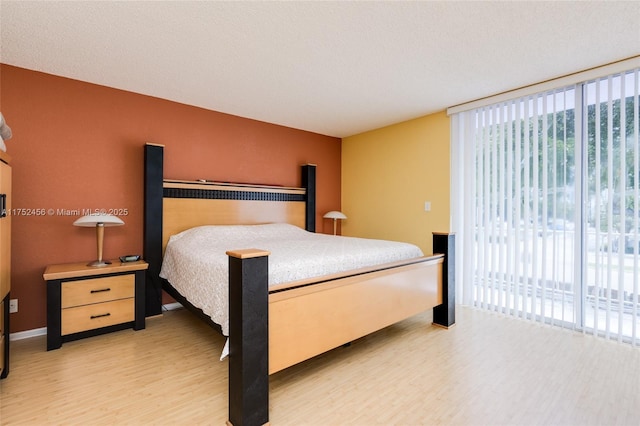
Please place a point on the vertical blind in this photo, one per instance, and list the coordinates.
(546, 205)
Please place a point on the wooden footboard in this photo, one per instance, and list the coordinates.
(307, 321)
(270, 331)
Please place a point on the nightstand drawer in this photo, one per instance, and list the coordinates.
(88, 317)
(96, 290)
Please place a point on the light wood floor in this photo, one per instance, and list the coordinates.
(487, 370)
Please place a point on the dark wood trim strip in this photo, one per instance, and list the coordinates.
(152, 250)
(309, 183)
(141, 301)
(5, 313)
(221, 194)
(54, 314)
(248, 340)
(166, 286)
(445, 314)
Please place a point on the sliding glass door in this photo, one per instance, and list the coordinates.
(547, 201)
(611, 209)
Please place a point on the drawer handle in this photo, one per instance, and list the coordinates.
(100, 316)
(101, 290)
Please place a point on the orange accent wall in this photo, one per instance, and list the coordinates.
(79, 146)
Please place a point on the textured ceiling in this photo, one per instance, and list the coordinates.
(335, 68)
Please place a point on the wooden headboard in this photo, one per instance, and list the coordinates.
(172, 206)
(190, 204)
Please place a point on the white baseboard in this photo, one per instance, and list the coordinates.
(172, 306)
(43, 331)
(28, 334)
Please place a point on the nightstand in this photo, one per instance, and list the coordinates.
(85, 301)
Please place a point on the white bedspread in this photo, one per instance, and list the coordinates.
(196, 264)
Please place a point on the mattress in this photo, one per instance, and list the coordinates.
(196, 264)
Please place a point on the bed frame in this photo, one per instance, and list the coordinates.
(272, 328)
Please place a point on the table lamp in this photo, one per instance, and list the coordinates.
(99, 221)
(335, 215)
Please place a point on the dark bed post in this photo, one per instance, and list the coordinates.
(309, 183)
(248, 337)
(152, 249)
(445, 314)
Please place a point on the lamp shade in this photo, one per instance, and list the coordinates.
(92, 220)
(335, 215)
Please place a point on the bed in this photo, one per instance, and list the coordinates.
(277, 317)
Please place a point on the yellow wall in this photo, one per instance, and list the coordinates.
(389, 173)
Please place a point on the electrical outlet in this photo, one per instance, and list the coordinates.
(13, 306)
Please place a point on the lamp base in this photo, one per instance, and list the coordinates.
(99, 263)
